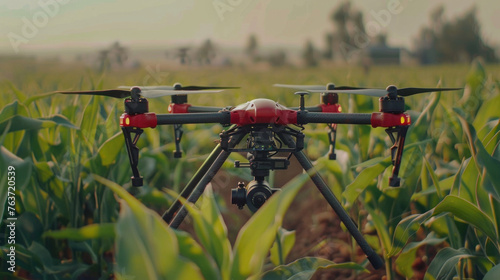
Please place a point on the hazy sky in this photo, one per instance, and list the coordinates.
(61, 25)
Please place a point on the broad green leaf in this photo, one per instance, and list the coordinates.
(211, 230)
(11, 110)
(24, 123)
(467, 212)
(434, 178)
(53, 186)
(364, 179)
(493, 274)
(34, 98)
(492, 142)
(191, 250)
(88, 125)
(487, 111)
(443, 266)
(146, 247)
(19, 94)
(304, 269)
(407, 257)
(483, 159)
(20, 178)
(110, 149)
(282, 246)
(29, 228)
(257, 235)
(93, 231)
(380, 223)
(406, 228)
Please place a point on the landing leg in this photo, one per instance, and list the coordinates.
(206, 178)
(373, 257)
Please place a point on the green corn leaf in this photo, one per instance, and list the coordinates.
(211, 230)
(443, 266)
(483, 159)
(18, 179)
(493, 274)
(89, 121)
(257, 235)
(407, 257)
(380, 223)
(364, 179)
(282, 246)
(93, 231)
(304, 269)
(469, 213)
(24, 123)
(406, 228)
(110, 149)
(19, 94)
(11, 110)
(487, 111)
(191, 250)
(34, 98)
(146, 248)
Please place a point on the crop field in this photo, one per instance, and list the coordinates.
(65, 178)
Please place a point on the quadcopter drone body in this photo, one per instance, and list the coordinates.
(269, 128)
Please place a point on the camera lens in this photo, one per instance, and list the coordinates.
(258, 199)
(257, 194)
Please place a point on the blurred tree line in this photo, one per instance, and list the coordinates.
(453, 40)
(456, 40)
(444, 41)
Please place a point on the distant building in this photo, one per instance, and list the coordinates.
(383, 54)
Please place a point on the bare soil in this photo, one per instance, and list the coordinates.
(318, 230)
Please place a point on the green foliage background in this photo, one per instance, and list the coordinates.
(69, 224)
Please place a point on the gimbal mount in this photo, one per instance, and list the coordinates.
(263, 142)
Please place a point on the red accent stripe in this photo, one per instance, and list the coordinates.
(390, 120)
(139, 120)
(331, 108)
(178, 108)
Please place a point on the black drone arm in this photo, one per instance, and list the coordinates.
(316, 109)
(338, 118)
(219, 117)
(396, 123)
(203, 109)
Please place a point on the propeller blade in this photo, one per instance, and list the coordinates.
(192, 88)
(205, 87)
(321, 88)
(302, 87)
(412, 91)
(159, 93)
(383, 92)
(149, 87)
(369, 92)
(116, 93)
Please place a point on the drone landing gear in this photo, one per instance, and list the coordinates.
(133, 152)
(215, 161)
(398, 142)
(332, 138)
(194, 190)
(178, 136)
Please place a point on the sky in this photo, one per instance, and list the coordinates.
(31, 26)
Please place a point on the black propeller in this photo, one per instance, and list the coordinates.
(116, 93)
(178, 86)
(316, 87)
(391, 91)
(150, 91)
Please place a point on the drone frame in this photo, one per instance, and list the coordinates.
(272, 119)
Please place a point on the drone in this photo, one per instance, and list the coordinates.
(269, 128)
